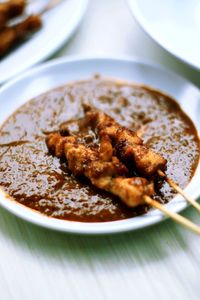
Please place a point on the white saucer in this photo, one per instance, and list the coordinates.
(59, 72)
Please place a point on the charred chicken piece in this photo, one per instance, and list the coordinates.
(101, 168)
(129, 147)
(10, 9)
(9, 36)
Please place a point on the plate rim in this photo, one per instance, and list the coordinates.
(74, 226)
(133, 7)
(81, 57)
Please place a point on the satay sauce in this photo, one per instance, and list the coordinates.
(35, 178)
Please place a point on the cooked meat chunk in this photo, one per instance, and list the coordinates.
(101, 168)
(106, 149)
(10, 35)
(132, 190)
(10, 9)
(83, 159)
(146, 161)
(128, 146)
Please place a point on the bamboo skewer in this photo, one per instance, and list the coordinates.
(194, 203)
(176, 217)
(51, 4)
(179, 190)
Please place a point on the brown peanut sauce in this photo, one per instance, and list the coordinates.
(35, 178)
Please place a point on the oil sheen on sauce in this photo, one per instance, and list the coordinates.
(42, 182)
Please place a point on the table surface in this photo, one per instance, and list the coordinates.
(160, 262)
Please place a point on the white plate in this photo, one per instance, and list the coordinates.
(59, 72)
(175, 25)
(58, 26)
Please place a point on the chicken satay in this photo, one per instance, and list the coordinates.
(146, 161)
(129, 147)
(10, 9)
(106, 149)
(13, 34)
(106, 175)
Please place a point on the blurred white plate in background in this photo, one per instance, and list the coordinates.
(59, 24)
(174, 24)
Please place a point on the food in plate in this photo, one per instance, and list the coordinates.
(10, 9)
(11, 34)
(37, 173)
(110, 162)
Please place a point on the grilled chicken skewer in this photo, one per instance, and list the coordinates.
(10, 9)
(11, 35)
(130, 149)
(104, 171)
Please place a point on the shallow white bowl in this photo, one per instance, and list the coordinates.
(59, 72)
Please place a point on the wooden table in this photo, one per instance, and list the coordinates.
(161, 262)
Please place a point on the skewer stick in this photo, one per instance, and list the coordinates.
(51, 4)
(179, 190)
(176, 217)
(195, 204)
